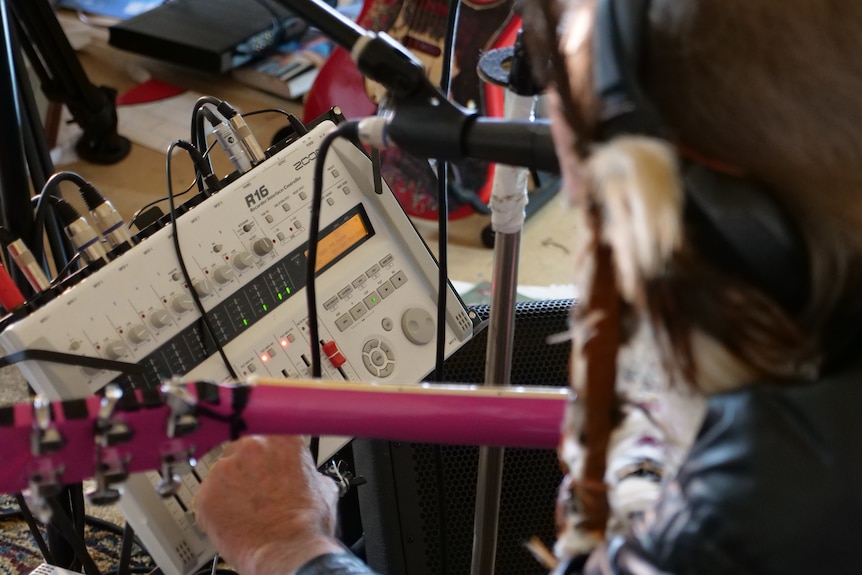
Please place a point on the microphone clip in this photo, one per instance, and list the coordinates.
(414, 104)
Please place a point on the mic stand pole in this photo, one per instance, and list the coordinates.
(507, 203)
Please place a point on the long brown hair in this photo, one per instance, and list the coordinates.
(771, 88)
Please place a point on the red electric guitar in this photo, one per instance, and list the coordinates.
(44, 445)
(420, 25)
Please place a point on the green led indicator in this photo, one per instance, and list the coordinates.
(244, 322)
(287, 290)
(264, 307)
(280, 296)
(374, 300)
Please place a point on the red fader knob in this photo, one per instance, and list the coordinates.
(330, 350)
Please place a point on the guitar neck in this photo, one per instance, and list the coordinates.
(426, 413)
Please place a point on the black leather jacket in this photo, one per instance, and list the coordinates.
(773, 485)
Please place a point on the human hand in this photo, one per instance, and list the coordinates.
(266, 508)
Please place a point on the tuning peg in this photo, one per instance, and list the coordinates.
(109, 430)
(114, 434)
(173, 466)
(45, 438)
(112, 396)
(43, 485)
(182, 420)
(107, 474)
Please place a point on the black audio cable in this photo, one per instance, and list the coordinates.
(198, 160)
(75, 539)
(51, 188)
(34, 529)
(443, 210)
(148, 205)
(349, 130)
(67, 269)
(443, 282)
(204, 171)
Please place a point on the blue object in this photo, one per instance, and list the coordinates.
(114, 8)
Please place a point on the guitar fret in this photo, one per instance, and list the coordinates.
(75, 409)
(150, 398)
(129, 401)
(7, 416)
(207, 392)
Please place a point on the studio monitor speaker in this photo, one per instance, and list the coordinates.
(417, 507)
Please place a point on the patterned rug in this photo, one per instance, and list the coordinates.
(19, 553)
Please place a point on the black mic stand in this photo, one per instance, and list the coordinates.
(31, 26)
(63, 79)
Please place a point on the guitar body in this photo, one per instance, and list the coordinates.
(420, 25)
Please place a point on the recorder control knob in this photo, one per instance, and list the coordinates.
(242, 261)
(182, 303)
(160, 318)
(223, 274)
(138, 334)
(202, 288)
(115, 349)
(418, 325)
(262, 246)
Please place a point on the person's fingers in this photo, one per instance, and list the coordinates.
(232, 447)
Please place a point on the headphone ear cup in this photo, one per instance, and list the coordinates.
(618, 46)
(737, 222)
(741, 227)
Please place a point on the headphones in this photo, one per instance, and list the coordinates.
(741, 225)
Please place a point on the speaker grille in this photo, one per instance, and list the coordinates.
(534, 361)
(434, 487)
(530, 481)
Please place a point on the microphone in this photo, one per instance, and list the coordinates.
(512, 142)
(422, 120)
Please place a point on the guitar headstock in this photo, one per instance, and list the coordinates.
(48, 444)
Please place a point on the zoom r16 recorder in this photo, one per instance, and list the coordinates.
(245, 249)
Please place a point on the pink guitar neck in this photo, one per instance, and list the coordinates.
(446, 414)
